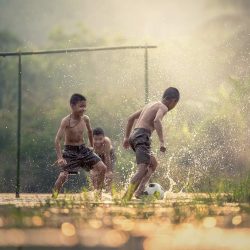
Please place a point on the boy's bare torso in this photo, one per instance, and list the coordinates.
(74, 130)
(148, 114)
(104, 148)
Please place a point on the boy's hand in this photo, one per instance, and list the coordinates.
(163, 148)
(126, 143)
(61, 162)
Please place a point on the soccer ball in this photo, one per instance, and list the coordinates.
(154, 189)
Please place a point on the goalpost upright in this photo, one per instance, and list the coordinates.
(19, 55)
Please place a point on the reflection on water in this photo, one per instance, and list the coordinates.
(181, 221)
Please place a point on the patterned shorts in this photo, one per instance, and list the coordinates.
(79, 157)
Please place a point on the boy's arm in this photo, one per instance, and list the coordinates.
(90, 131)
(59, 136)
(158, 126)
(129, 126)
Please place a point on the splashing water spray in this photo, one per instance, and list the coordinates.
(172, 183)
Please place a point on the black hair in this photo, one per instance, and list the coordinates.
(98, 131)
(171, 93)
(75, 98)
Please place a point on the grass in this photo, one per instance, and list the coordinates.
(234, 191)
(230, 199)
(81, 207)
(80, 218)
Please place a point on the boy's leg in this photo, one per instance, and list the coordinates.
(140, 143)
(109, 176)
(135, 181)
(62, 178)
(97, 175)
(110, 172)
(108, 181)
(93, 177)
(150, 170)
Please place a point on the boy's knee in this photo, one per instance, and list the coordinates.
(153, 164)
(64, 175)
(142, 168)
(109, 174)
(100, 167)
(103, 167)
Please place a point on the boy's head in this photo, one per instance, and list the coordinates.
(170, 97)
(78, 104)
(98, 136)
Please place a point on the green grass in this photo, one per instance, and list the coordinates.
(234, 191)
(81, 209)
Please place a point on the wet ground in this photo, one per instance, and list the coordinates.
(180, 221)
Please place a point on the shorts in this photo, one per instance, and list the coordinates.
(140, 142)
(79, 157)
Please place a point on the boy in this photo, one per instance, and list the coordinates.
(104, 149)
(149, 119)
(76, 154)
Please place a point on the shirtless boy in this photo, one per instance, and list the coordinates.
(149, 119)
(76, 155)
(104, 149)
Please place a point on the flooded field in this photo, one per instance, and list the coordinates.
(180, 221)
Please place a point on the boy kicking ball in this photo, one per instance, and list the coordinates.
(148, 119)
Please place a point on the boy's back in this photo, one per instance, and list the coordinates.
(148, 115)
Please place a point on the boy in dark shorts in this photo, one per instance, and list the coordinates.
(148, 119)
(104, 149)
(76, 155)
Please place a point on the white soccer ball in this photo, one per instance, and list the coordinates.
(155, 190)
